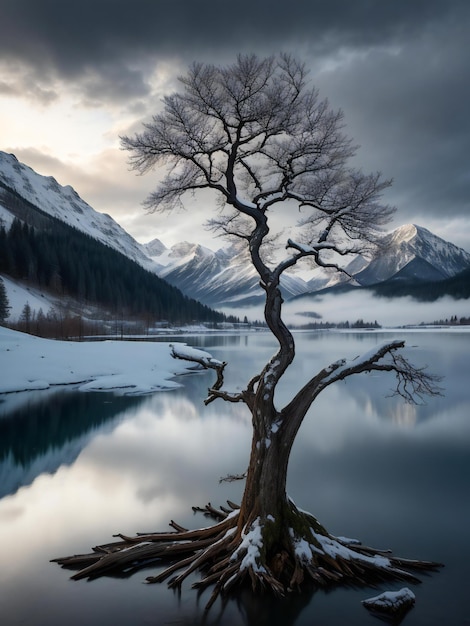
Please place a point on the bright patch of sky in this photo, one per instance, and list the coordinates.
(64, 129)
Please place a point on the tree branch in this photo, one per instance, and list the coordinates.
(207, 362)
(413, 383)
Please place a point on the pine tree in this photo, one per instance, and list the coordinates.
(26, 317)
(4, 303)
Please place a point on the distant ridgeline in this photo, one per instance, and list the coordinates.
(457, 287)
(54, 256)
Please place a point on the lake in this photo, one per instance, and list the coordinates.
(75, 468)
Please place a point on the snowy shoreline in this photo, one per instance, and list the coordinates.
(128, 367)
(29, 363)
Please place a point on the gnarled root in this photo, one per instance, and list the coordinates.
(230, 554)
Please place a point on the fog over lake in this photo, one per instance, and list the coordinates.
(362, 305)
(75, 468)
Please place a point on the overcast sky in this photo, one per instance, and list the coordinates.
(76, 75)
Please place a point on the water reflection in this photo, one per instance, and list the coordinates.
(131, 464)
(41, 435)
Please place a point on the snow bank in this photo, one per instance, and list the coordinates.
(129, 367)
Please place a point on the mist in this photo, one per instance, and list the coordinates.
(350, 307)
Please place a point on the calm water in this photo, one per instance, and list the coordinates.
(76, 468)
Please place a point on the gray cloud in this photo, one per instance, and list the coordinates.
(72, 37)
(398, 69)
(408, 107)
(111, 83)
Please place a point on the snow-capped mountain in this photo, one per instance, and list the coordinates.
(154, 248)
(413, 252)
(410, 253)
(227, 278)
(222, 278)
(65, 204)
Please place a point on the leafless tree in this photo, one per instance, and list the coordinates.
(257, 135)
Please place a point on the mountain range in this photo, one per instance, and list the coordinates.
(410, 255)
(225, 278)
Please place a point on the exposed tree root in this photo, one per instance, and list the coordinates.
(230, 554)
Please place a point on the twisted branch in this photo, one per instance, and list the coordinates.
(215, 392)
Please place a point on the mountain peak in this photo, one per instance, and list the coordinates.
(154, 247)
(188, 249)
(408, 232)
(405, 233)
(412, 243)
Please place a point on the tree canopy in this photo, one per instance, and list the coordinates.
(258, 134)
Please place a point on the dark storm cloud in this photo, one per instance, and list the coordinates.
(398, 69)
(408, 107)
(72, 36)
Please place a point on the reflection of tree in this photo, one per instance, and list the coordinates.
(36, 429)
(275, 612)
(379, 404)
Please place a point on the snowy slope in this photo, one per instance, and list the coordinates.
(125, 367)
(65, 204)
(18, 295)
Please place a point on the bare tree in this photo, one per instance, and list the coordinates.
(257, 134)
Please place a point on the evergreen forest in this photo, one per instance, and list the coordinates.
(66, 262)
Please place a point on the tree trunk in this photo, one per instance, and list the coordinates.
(265, 489)
(267, 507)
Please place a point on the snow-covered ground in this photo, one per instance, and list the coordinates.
(127, 367)
(18, 295)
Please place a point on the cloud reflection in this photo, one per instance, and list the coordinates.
(170, 439)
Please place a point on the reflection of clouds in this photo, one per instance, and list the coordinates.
(331, 422)
(157, 463)
(395, 411)
(384, 481)
(166, 444)
(451, 425)
(10, 512)
(404, 415)
(343, 415)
